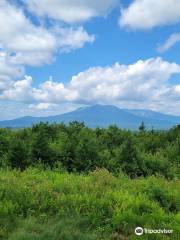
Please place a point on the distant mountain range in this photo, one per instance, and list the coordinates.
(102, 116)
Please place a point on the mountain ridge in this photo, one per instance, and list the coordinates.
(102, 116)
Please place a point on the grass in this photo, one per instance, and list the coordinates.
(37, 205)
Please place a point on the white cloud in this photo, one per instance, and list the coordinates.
(47, 92)
(65, 40)
(8, 71)
(24, 43)
(139, 84)
(19, 91)
(144, 84)
(42, 106)
(170, 42)
(146, 14)
(71, 11)
(19, 36)
(70, 38)
(34, 45)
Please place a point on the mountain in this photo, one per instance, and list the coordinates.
(154, 115)
(102, 116)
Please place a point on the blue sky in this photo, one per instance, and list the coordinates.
(55, 58)
(113, 44)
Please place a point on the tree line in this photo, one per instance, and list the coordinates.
(77, 148)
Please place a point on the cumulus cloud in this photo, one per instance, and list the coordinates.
(47, 92)
(30, 44)
(170, 42)
(70, 38)
(65, 40)
(146, 14)
(71, 11)
(24, 43)
(142, 84)
(8, 71)
(19, 91)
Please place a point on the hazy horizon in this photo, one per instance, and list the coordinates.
(86, 106)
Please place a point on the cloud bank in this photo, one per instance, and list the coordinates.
(144, 84)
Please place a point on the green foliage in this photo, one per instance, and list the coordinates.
(74, 183)
(129, 159)
(77, 148)
(38, 205)
(18, 154)
(56, 229)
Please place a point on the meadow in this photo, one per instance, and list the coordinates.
(74, 183)
(38, 204)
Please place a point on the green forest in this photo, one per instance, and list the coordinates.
(71, 182)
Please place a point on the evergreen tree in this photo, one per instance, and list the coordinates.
(142, 127)
(18, 154)
(40, 150)
(129, 159)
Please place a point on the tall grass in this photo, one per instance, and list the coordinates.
(38, 205)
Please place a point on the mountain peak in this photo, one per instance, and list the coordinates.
(96, 107)
(102, 116)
